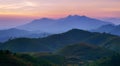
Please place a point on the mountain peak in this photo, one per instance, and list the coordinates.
(76, 31)
(76, 16)
(42, 19)
(46, 19)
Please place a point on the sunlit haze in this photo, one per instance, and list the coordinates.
(16, 12)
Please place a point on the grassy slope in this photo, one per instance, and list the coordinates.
(84, 52)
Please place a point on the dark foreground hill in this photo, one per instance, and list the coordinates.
(107, 61)
(12, 59)
(55, 42)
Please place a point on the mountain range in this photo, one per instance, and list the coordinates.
(70, 41)
(45, 26)
(63, 24)
(112, 29)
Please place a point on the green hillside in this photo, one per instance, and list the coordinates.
(55, 42)
(84, 53)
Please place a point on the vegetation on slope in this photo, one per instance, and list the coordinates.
(12, 59)
(107, 61)
(83, 53)
(55, 42)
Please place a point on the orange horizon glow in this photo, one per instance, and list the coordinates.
(57, 9)
(19, 12)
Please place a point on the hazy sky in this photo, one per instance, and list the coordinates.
(24, 10)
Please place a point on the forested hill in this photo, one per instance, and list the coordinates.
(55, 42)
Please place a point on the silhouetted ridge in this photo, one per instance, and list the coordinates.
(76, 16)
(44, 19)
(76, 30)
(63, 24)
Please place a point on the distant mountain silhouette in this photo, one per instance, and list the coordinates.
(63, 24)
(112, 29)
(17, 33)
(113, 20)
(58, 41)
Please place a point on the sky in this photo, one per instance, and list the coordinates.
(17, 12)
